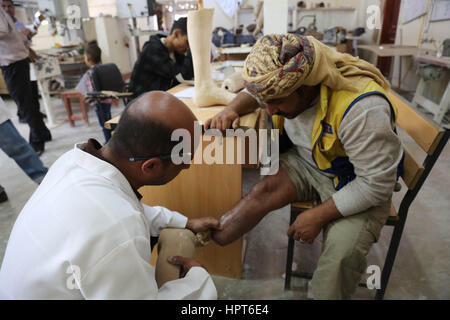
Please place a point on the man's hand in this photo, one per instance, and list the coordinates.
(224, 120)
(306, 227)
(26, 32)
(185, 263)
(242, 104)
(33, 55)
(309, 223)
(203, 224)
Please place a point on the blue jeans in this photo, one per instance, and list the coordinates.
(17, 148)
(103, 111)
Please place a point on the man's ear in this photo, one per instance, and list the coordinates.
(154, 167)
(177, 33)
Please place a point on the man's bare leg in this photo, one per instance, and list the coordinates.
(273, 192)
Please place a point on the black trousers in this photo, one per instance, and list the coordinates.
(25, 94)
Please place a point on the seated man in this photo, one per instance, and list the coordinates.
(345, 152)
(84, 234)
(162, 63)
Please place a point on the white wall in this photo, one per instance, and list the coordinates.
(410, 34)
(358, 21)
(275, 16)
(105, 7)
(111, 39)
(220, 19)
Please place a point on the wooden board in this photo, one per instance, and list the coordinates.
(202, 191)
(202, 114)
(413, 170)
(423, 131)
(442, 61)
(390, 50)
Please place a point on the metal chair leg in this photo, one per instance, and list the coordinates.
(290, 253)
(390, 258)
(290, 256)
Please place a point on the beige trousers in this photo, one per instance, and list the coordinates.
(346, 241)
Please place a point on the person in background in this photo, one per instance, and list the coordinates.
(17, 148)
(92, 58)
(14, 62)
(164, 62)
(8, 6)
(29, 32)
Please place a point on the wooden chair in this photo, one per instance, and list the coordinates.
(432, 139)
(73, 94)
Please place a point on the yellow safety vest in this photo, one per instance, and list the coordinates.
(327, 150)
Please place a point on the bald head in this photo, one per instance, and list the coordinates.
(146, 125)
(162, 107)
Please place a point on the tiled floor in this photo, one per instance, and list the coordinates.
(421, 270)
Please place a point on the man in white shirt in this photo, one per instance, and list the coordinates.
(14, 62)
(84, 234)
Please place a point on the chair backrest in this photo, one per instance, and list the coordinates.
(430, 137)
(107, 77)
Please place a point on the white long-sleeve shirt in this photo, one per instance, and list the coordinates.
(85, 235)
(13, 43)
(369, 141)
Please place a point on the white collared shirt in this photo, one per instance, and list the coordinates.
(84, 235)
(13, 44)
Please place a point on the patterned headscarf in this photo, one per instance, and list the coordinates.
(280, 63)
(277, 63)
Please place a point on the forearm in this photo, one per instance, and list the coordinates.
(243, 103)
(159, 218)
(309, 223)
(361, 194)
(327, 212)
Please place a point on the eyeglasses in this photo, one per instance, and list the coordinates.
(163, 157)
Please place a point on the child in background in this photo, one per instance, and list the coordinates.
(92, 57)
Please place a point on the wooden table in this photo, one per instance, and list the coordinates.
(205, 190)
(234, 53)
(352, 44)
(392, 50)
(438, 110)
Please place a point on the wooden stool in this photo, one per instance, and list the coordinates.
(73, 94)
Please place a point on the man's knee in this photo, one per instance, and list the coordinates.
(278, 186)
(348, 241)
(343, 259)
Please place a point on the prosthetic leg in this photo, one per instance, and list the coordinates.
(207, 93)
(173, 242)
